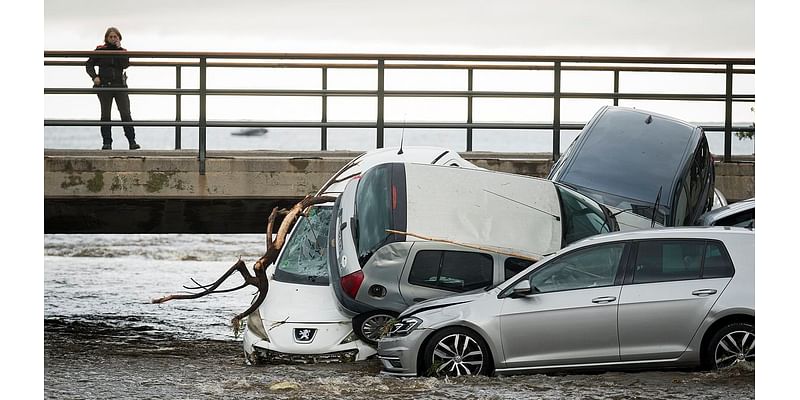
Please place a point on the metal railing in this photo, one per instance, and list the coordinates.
(381, 62)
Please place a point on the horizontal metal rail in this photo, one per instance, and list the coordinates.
(325, 62)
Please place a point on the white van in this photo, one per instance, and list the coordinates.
(299, 320)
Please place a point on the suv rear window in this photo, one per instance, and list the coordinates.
(455, 271)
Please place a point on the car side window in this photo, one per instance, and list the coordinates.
(716, 263)
(660, 261)
(592, 267)
(455, 271)
(746, 219)
(513, 266)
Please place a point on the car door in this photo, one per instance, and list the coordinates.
(669, 289)
(571, 315)
(436, 272)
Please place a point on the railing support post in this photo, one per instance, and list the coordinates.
(202, 120)
(324, 129)
(728, 110)
(556, 110)
(177, 107)
(379, 122)
(616, 87)
(469, 109)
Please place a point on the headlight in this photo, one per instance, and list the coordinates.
(256, 326)
(404, 326)
(349, 338)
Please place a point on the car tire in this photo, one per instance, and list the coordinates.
(456, 351)
(732, 344)
(368, 326)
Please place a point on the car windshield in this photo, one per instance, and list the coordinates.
(373, 211)
(580, 216)
(304, 260)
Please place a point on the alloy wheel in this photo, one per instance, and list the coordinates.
(456, 355)
(735, 347)
(373, 327)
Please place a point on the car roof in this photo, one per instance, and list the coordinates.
(419, 154)
(630, 153)
(693, 232)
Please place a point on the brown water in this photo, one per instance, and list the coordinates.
(104, 340)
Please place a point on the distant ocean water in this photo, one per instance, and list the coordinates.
(160, 138)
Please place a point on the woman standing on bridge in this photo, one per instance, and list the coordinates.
(111, 74)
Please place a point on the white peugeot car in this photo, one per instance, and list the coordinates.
(299, 321)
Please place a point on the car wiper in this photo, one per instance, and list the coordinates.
(608, 218)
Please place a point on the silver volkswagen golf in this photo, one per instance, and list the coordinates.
(656, 298)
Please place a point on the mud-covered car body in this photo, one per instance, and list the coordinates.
(300, 321)
(670, 297)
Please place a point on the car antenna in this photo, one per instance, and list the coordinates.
(655, 207)
(402, 136)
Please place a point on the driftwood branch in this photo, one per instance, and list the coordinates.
(259, 277)
(469, 246)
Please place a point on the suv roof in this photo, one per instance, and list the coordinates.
(657, 149)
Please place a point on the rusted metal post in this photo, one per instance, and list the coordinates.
(556, 110)
(379, 122)
(202, 120)
(177, 107)
(728, 110)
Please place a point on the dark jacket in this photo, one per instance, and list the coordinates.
(111, 68)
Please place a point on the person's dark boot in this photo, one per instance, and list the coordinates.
(106, 146)
(134, 146)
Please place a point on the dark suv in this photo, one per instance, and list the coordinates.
(650, 164)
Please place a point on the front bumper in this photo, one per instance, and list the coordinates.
(327, 344)
(399, 354)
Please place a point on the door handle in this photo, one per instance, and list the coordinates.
(418, 299)
(704, 292)
(604, 299)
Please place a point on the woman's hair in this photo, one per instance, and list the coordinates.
(112, 29)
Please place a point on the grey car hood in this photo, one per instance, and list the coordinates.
(442, 302)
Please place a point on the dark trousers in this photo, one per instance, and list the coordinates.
(124, 107)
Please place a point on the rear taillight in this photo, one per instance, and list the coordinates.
(352, 282)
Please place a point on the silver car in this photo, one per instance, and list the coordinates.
(654, 298)
(741, 213)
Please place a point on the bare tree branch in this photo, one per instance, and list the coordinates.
(259, 278)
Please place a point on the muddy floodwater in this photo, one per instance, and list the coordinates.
(104, 340)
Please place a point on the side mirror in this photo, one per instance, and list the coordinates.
(522, 289)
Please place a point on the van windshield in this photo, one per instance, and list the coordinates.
(304, 260)
(373, 211)
(581, 217)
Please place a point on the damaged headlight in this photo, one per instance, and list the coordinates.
(404, 326)
(256, 326)
(349, 338)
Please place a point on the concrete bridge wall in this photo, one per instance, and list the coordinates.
(162, 191)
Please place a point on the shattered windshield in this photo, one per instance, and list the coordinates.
(304, 260)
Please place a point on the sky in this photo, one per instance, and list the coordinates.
(533, 27)
(704, 28)
(564, 27)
